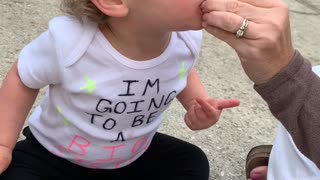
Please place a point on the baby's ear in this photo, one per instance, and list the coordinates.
(112, 8)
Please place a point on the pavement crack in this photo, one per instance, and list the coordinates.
(305, 13)
(309, 5)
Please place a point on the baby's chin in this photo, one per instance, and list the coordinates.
(194, 24)
(197, 26)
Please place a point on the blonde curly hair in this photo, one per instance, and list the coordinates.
(83, 9)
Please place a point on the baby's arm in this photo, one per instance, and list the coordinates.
(193, 90)
(202, 111)
(16, 100)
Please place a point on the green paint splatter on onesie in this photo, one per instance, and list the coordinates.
(90, 85)
(182, 71)
(65, 121)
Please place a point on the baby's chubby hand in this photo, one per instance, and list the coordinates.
(206, 112)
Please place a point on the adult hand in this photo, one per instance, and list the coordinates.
(5, 158)
(266, 47)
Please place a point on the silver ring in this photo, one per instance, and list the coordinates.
(242, 29)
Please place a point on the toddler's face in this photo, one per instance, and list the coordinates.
(175, 15)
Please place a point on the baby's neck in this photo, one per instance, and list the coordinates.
(137, 44)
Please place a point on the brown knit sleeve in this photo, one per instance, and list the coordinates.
(293, 97)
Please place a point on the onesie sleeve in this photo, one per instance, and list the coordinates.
(38, 64)
(196, 41)
(193, 40)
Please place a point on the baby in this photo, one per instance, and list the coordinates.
(113, 67)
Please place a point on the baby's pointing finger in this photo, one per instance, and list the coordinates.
(227, 103)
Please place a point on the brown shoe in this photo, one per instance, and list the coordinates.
(258, 156)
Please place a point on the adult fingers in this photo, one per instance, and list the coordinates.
(233, 6)
(231, 22)
(263, 3)
(229, 38)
